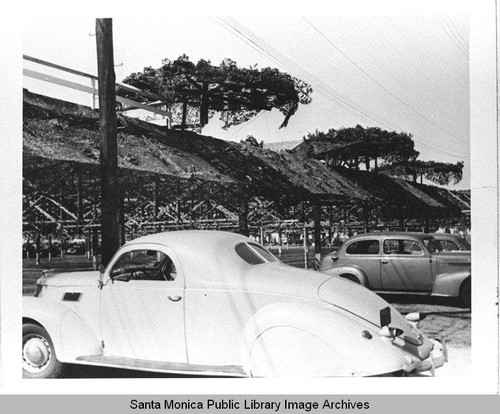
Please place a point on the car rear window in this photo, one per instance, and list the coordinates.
(363, 247)
(253, 253)
(264, 253)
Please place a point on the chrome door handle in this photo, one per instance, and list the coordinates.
(385, 261)
(175, 298)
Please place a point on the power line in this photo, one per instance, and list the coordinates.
(265, 49)
(464, 42)
(379, 84)
(452, 36)
(324, 89)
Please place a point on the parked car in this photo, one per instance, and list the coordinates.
(218, 304)
(452, 242)
(402, 262)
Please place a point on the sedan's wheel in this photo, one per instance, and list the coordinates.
(465, 293)
(39, 358)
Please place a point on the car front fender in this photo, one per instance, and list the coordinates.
(341, 270)
(69, 333)
(313, 340)
(448, 284)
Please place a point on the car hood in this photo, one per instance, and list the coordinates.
(85, 278)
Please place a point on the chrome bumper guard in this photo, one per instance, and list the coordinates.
(437, 358)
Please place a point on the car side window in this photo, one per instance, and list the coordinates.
(363, 247)
(144, 265)
(402, 247)
(450, 246)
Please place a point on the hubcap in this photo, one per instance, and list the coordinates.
(36, 354)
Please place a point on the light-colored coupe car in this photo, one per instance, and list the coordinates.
(402, 262)
(218, 304)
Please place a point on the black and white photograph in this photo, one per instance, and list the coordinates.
(215, 196)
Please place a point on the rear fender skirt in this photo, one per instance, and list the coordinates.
(71, 336)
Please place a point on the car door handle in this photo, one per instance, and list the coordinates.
(175, 298)
(385, 261)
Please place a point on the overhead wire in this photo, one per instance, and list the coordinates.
(457, 32)
(328, 92)
(379, 84)
(452, 35)
(265, 49)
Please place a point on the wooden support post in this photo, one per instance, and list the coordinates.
(204, 105)
(37, 249)
(330, 226)
(61, 239)
(95, 248)
(50, 248)
(317, 230)
(122, 219)
(88, 244)
(262, 236)
(366, 213)
(243, 217)
(80, 203)
(280, 240)
(306, 249)
(156, 200)
(184, 115)
(109, 157)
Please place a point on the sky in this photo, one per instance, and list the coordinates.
(405, 72)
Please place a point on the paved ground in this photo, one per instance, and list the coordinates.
(445, 317)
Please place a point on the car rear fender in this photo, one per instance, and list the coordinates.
(69, 333)
(312, 340)
(354, 271)
(448, 284)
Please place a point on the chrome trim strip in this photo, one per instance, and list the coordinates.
(161, 366)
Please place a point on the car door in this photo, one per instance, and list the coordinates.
(405, 266)
(365, 254)
(142, 306)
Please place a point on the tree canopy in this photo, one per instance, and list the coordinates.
(196, 91)
(351, 147)
(437, 172)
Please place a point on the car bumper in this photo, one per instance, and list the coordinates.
(437, 358)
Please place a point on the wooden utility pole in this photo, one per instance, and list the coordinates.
(110, 241)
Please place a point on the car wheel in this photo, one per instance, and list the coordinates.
(352, 278)
(39, 357)
(465, 293)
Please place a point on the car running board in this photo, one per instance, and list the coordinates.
(160, 366)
